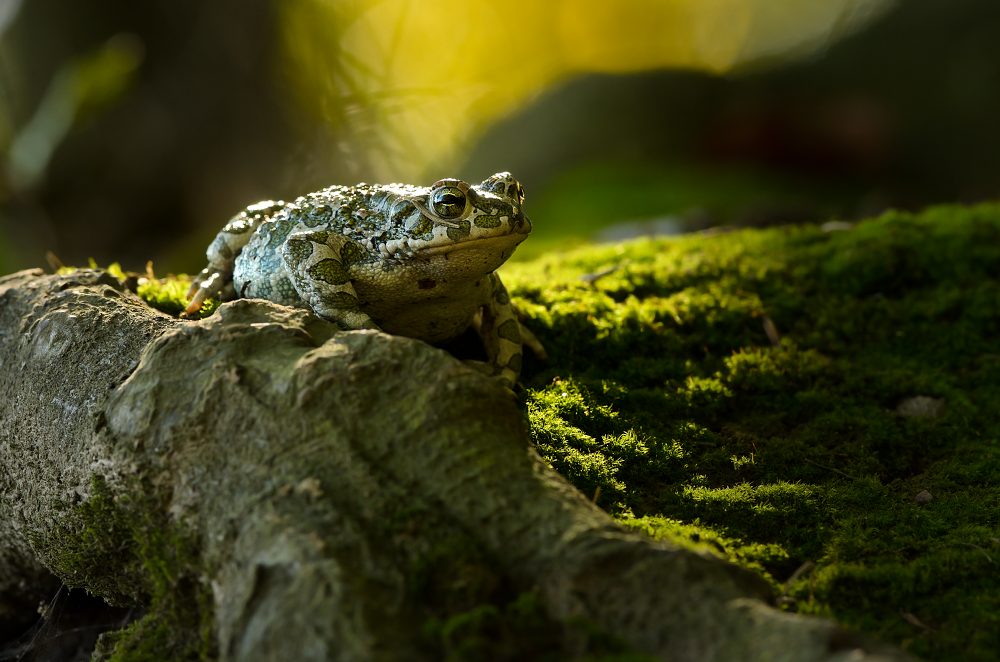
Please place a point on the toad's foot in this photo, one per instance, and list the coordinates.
(531, 340)
(207, 284)
(504, 380)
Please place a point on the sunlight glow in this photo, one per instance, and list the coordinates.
(405, 85)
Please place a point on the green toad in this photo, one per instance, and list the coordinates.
(415, 261)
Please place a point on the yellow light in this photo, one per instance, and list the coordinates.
(407, 84)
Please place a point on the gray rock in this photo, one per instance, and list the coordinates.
(274, 489)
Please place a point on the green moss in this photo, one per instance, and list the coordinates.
(93, 537)
(168, 295)
(521, 629)
(470, 609)
(703, 538)
(170, 630)
(738, 392)
(114, 547)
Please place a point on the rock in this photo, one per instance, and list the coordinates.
(269, 488)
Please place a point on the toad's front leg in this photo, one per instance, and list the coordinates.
(217, 278)
(503, 336)
(321, 276)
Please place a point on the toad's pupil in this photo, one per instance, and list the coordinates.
(448, 203)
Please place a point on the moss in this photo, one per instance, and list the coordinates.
(170, 630)
(520, 629)
(114, 547)
(739, 392)
(701, 537)
(91, 536)
(168, 295)
(470, 610)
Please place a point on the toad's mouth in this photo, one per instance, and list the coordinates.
(497, 241)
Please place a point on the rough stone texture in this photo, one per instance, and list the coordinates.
(327, 485)
(65, 343)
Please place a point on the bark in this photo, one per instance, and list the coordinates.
(303, 493)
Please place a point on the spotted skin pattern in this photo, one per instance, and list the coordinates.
(416, 261)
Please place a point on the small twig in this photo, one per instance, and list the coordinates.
(801, 570)
(592, 278)
(772, 331)
(54, 262)
(914, 621)
(834, 470)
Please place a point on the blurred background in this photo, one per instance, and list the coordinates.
(131, 131)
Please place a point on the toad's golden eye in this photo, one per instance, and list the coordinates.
(448, 202)
(517, 192)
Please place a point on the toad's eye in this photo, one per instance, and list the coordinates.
(517, 192)
(448, 202)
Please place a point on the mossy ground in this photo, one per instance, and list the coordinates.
(89, 549)
(740, 393)
(168, 294)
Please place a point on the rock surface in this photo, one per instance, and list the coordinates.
(268, 487)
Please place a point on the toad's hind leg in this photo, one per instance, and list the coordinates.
(217, 278)
(316, 265)
(501, 334)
